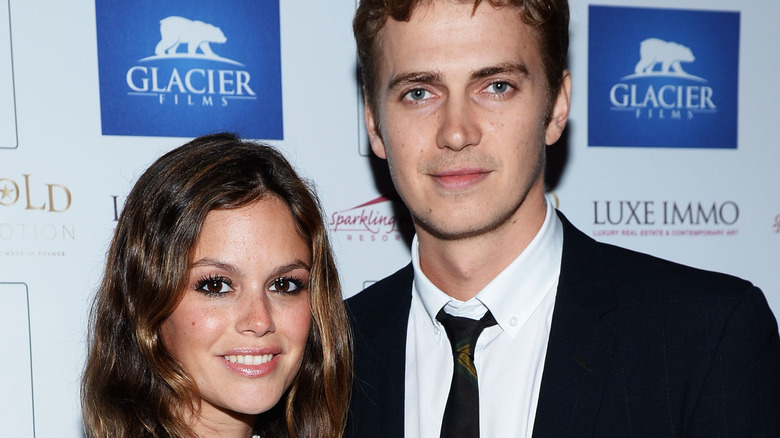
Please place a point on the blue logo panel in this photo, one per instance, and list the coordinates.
(662, 78)
(184, 68)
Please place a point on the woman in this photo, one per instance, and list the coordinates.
(220, 310)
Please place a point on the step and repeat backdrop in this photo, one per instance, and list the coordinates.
(671, 148)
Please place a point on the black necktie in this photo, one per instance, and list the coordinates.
(461, 415)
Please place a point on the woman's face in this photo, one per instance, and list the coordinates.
(241, 326)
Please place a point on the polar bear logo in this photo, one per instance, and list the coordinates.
(654, 51)
(196, 35)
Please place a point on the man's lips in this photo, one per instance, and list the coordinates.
(459, 179)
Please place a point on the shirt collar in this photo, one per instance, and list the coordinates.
(514, 294)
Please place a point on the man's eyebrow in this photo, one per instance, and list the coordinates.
(510, 67)
(421, 77)
(414, 77)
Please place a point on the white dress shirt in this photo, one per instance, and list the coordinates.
(509, 357)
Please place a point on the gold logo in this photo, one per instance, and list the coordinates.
(58, 196)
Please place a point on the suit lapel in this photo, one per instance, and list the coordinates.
(580, 349)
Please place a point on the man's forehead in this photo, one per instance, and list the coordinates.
(447, 32)
(449, 14)
(470, 6)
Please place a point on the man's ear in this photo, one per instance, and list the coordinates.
(374, 134)
(560, 111)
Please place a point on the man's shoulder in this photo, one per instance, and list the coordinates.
(388, 285)
(659, 330)
(641, 296)
(631, 270)
(389, 295)
(639, 289)
(651, 273)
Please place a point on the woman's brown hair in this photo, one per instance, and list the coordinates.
(132, 386)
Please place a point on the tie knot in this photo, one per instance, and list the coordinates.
(464, 332)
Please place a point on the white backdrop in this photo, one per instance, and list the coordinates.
(62, 181)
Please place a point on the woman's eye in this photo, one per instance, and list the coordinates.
(285, 285)
(214, 285)
(417, 94)
(499, 87)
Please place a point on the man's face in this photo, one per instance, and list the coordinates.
(462, 100)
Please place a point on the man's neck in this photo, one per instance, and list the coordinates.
(463, 267)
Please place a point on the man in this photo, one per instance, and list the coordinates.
(589, 339)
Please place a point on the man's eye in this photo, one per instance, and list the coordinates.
(499, 87)
(214, 285)
(285, 285)
(417, 94)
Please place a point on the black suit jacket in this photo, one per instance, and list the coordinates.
(639, 347)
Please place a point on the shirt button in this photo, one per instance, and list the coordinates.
(436, 331)
(513, 321)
